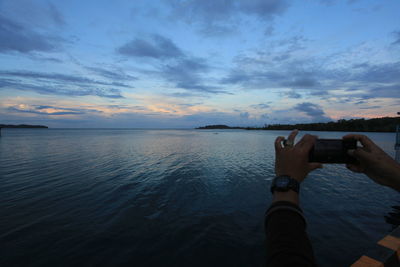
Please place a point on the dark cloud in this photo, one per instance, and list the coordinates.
(397, 38)
(52, 110)
(361, 65)
(56, 15)
(58, 77)
(172, 64)
(44, 58)
(371, 107)
(18, 38)
(379, 73)
(112, 75)
(292, 94)
(360, 102)
(37, 111)
(218, 17)
(41, 15)
(185, 94)
(244, 115)
(390, 91)
(312, 110)
(278, 67)
(351, 1)
(289, 77)
(187, 74)
(157, 47)
(261, 106)
(303, 80)
(49, 89)
(265, 9)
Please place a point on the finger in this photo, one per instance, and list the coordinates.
(314, 165)
(360, 154)
(354, 168)
(307, 142)
(364, 140)
(278, 143)
(292, 136)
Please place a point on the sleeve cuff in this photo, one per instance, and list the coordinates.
(284, 206)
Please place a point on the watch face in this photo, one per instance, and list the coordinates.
(282, 182)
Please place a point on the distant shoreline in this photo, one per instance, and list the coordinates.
(22, 126)
(386, 124)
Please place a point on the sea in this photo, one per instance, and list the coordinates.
(165, 197)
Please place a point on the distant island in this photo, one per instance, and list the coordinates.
(218, 126)
(385, 124)
(22, 126)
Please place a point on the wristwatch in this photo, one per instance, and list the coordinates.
(284, 183)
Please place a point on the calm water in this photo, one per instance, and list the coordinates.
(169, 198)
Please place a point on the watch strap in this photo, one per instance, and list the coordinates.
(293, 184)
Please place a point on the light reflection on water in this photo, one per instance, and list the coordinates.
(170, 198)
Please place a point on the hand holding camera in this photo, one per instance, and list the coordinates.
(374, 162)
(292, 160)
(308, 154)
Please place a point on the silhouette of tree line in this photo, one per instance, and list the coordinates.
(385, 124)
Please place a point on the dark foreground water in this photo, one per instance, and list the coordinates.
(169, 198)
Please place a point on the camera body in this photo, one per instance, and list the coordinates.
(332, 151)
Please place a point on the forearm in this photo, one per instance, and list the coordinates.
(394, 176)
(289, 196)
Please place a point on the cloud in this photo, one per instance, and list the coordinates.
(57, 77)
(283, 65)
(260, 106)
(216, 17)
(157, 47)
(49, 110)
(56, 15)
(171, 63)
(40, 15)
(244, 115)
(67, 90)
(30, 26)
(397, 38)
(187, 74)
(17, 38)
(378, 73)
(336, 78)
(312, 110)
(371, 107)
(288, 77)
(186, 94)
(292, 94)
(112, 75)
(391, 91)
(265, 9)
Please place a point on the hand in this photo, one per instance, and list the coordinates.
(293, 160)
(374, 162)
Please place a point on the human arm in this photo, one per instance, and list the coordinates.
(285, 227)
(374, 162)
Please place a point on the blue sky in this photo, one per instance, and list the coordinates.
(190, 63)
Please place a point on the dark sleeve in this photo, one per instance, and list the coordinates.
(286, 238)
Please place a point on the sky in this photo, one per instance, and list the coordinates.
(189, 63)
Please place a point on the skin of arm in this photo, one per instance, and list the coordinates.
(374, 162)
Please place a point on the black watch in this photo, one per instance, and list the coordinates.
(285, 183)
